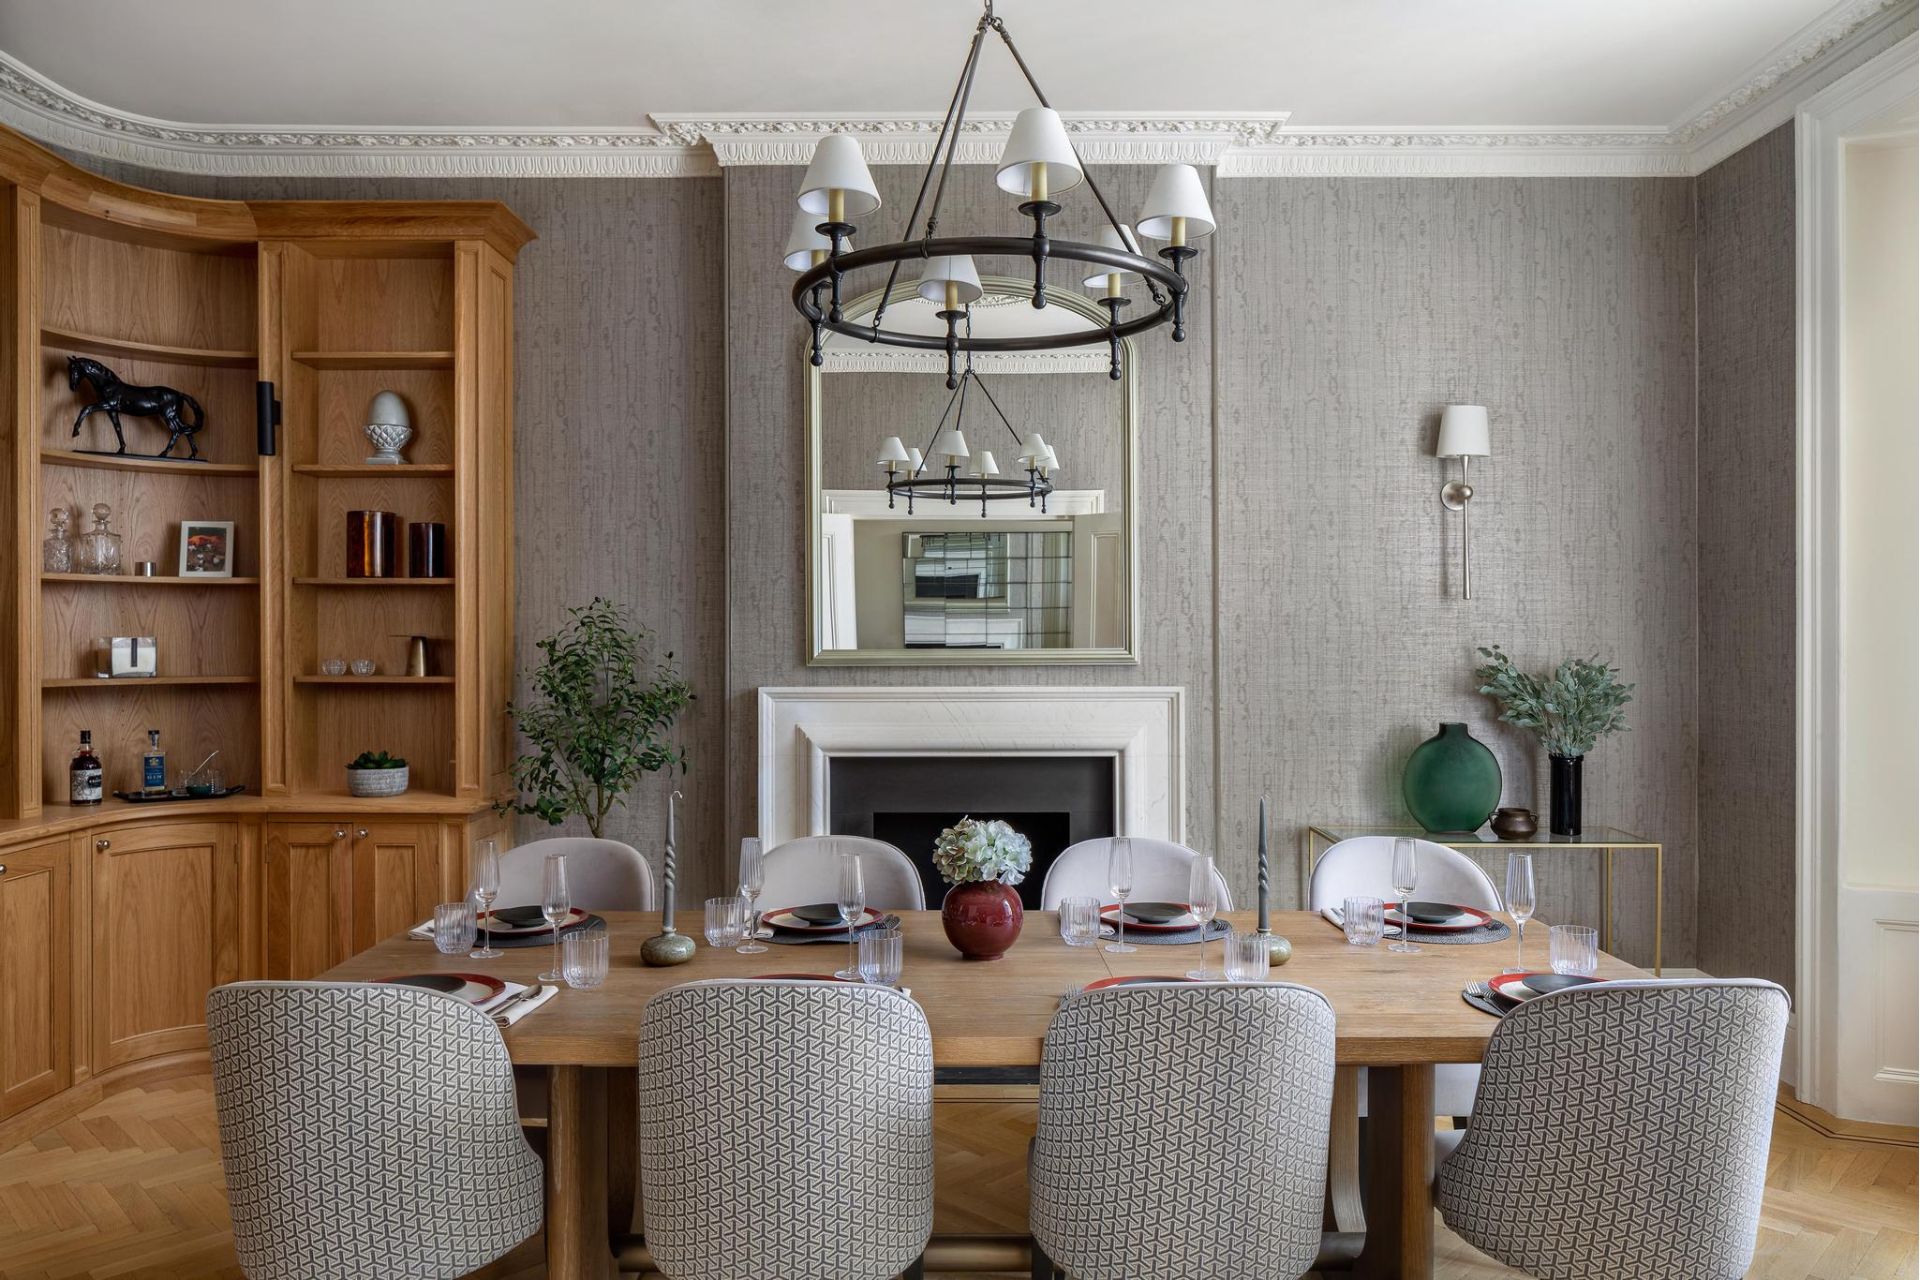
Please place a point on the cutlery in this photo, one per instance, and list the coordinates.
(518, 997)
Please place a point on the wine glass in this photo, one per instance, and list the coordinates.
(556, 903)
(486, 887)
(1406, 878)
(1120, 881)
(1520, 905)
(1203, 901)
(753, 878)
(853, 905)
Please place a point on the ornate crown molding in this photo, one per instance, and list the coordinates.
(1356, 152)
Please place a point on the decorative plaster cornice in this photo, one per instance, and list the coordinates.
(1334, 152)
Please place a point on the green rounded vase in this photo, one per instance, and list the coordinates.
(1452, 782)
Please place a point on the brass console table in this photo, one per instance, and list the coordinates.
(1603, 840)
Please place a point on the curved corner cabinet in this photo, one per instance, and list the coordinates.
(116, 918)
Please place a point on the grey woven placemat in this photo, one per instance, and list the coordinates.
(1496, 931)
(1215, 929)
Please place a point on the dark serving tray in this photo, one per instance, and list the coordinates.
(161, 797)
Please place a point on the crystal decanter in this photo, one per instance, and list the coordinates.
(56, 553)
(99, 550)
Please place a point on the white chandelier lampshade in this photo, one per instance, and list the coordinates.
(892, 454)
(1176, 209)
(951, 448)
(1111, 239)
(1038, 162)
(984, 465)
(1463, 432)
(950, 282)
(805, 245)
(838, 184)
(916, 462)
(1033, 448)
(1053, 459)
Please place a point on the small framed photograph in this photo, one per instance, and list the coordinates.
(206, 548)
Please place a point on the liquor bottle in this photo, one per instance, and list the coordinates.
(153, 766)
(85, 773)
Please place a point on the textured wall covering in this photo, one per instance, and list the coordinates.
(1350, 311)
(1747, 583)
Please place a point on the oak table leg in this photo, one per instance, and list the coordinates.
(578, 1246)
(1400, 1174)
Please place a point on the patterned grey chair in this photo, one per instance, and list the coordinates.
(1621, 1132)
(366, 1130)
(1183, 1132)
(786, 1130)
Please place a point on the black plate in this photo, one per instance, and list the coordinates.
(519, 917)
(1155, 912)
(820, 913)
(1432, 912)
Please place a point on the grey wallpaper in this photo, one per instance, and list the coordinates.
(1747, 584)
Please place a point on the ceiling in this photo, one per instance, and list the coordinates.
(612, 63)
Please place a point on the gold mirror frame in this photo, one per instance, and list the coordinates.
(1128, 654)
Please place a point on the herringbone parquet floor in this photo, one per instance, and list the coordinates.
(131, 1189)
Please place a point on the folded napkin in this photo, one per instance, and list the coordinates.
(1334, 916)
(422, 932)
(516, 1009)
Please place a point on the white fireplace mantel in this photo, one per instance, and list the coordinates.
(802, 730)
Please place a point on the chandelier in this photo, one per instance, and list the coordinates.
(1038, 164)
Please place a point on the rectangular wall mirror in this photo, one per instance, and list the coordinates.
(1035, 566)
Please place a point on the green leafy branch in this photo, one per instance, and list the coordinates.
(1570, 710)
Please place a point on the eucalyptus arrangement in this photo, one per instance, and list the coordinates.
(597, 717)
(1570, 710)
(982, 861)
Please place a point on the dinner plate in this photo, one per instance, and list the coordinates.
(785, 919)
(1110, 914)
(1130, 982)
(520, 921)
(1517, 988)
(804, 977)
(475, 988)
(1462, 919)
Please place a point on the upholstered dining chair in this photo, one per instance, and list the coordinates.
(1160, 872)
(1621, 1131)
(807, 870)
(603, 875)
(786, 1129)
(1183, 1132)
(366, 1130)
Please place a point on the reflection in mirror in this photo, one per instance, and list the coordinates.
(987, 524)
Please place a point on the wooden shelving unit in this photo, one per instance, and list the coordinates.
(135, 580)
(428, 682)
(373, 470)
(124, 684)
(387, 360)
(373, 582)
(155, 466)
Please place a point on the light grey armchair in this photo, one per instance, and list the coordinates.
(1183, 1132)
(366, 1130)
(786, 1130)
(1621, 1131)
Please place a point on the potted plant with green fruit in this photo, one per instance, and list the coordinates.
(1570, 710)
(376, 773)
(982, 861)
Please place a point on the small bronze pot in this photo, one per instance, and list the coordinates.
(1515, 824)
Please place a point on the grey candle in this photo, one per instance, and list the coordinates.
(673, 839)
(1263, 865)
(669, 946)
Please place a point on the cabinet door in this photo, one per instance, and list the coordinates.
(306, 900)
(35, 1000)
(396, 878)
(166, 930)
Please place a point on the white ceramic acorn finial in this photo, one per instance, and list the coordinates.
(389, 427)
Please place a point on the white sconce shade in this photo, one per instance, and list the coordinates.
(1038, 138)
(892, 453)
(984, 466)
(1110, 239)
(916, 461)
(1053, 459)
(958, 272)
(951, 446)
(1033, 453)
(838, 166)
(804, 241)
(1177, 192)
(1463, 432)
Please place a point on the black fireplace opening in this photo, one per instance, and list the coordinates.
(1054, 801)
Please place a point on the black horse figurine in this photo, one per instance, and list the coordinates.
(114, 397)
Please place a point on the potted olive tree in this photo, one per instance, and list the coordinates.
(597, 716)
(1570, 710)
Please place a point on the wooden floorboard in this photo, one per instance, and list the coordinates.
(130, 1189)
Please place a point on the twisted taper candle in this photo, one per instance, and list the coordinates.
(1263, 865)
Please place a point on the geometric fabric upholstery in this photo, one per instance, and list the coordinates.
(1621, 1131)
(1183, 1132)
(786, 1130)
(367, 1130)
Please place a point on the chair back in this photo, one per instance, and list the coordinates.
(603, 875)
(1621, 1131)
(1160, 873)
(808, 870)
(362, 1125)
(1363, 867)
(786, 1129)
(1183, 1131)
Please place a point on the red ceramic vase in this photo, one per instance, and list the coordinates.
(982, 919)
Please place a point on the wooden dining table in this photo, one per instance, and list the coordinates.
(1397, 1015)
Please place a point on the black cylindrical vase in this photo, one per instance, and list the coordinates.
(1564, 785)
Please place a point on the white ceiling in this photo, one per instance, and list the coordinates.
(612, 63)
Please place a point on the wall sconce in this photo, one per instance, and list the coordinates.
(1463, 435)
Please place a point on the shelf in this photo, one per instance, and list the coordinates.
(373, 582)
(132, 580)
(375, 359)
(73, 340)
(357, 469)
(136, 462)
(96, 682)
(379, 680)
